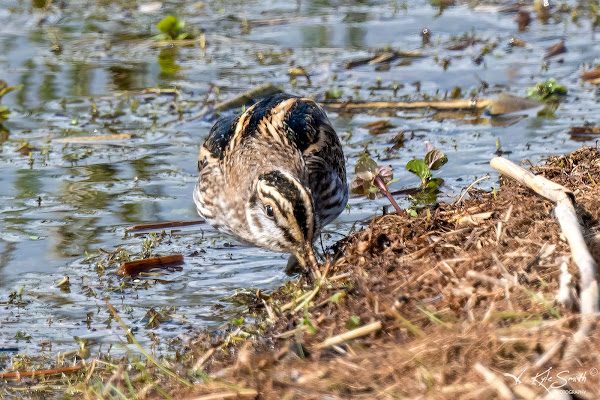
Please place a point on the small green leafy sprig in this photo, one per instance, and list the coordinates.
(434, 159)
(549, 91)
(372, 180)
(172, 28)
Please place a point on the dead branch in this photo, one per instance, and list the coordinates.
(438, 105)
(569, 224)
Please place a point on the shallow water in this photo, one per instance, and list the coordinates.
(66, 201)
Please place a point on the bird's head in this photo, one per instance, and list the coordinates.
(280, 213)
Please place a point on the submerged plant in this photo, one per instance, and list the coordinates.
(373, 180)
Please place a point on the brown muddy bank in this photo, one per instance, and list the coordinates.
(444, 303)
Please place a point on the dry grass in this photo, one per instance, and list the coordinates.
(436, 306)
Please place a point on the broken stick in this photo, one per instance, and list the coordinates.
(137, 266)
(385, 105)
(162, 225)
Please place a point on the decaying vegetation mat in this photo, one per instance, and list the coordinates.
(442, 305)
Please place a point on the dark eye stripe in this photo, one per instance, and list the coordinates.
(286, 231)
(289, 190)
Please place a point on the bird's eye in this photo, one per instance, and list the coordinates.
(269, 211)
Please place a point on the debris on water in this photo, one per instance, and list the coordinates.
(507, 103)
(378, 127)
(151, 7)
(64, 285)
(523, 19)
(163, 225)
(425, 36)
(459, 104)
(97, 138)
(592, 76)
(555, 49)
(137, 266)
(172, 28)
(583, 133)
(514, 42)
(542, 8)
(383, 57)
(299, 71)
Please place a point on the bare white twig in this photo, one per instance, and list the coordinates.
(564, 295)
(569, 224)
(495, 381)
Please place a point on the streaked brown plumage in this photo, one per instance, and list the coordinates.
(274, 175)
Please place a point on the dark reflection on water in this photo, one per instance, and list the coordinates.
(66, 201)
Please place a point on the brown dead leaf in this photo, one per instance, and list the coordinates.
(555, 49)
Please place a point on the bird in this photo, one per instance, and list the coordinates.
(273, 176)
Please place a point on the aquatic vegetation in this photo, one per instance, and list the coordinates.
(434, 159)
(4, 89)
(172, 28)
(549, 91)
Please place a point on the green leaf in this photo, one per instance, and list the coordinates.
(425, 197)
(431, 185)
(419, 168)
(168, 25)
(435, 159)
(337, 297)
(438, 181)
(412, 212)
(366, 168)
(353, 322)
(237, 322)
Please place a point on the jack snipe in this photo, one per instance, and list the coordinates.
(273, 176)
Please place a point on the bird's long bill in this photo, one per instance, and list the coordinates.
(306, 258)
